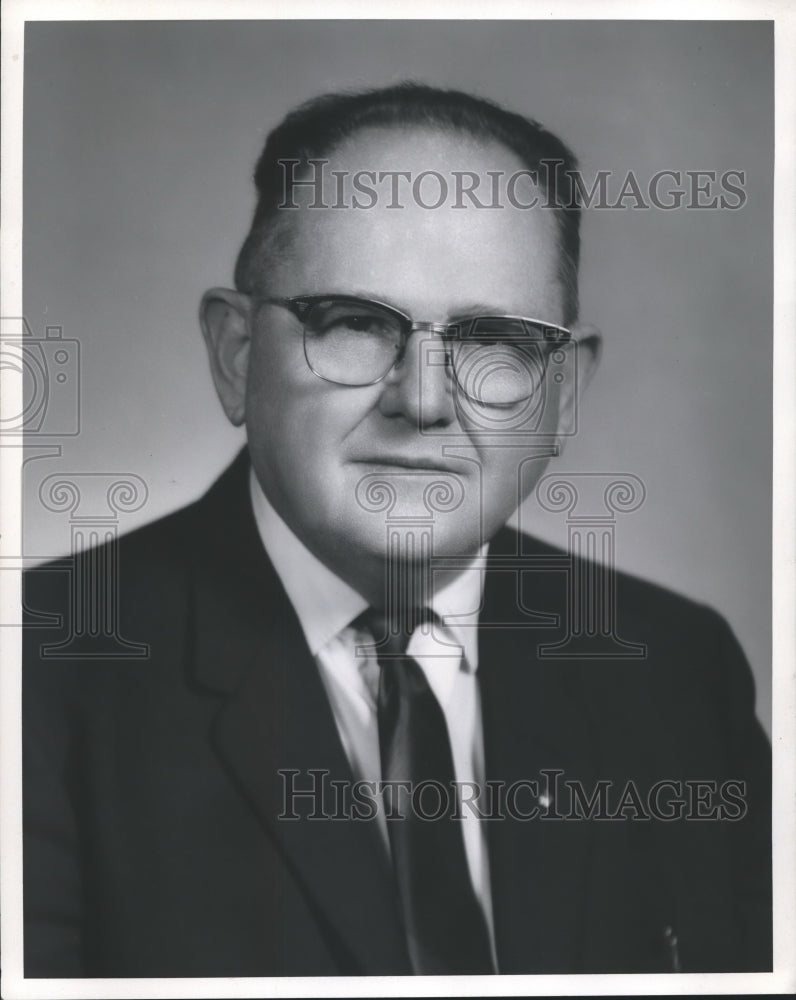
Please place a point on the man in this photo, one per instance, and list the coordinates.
(353, 747)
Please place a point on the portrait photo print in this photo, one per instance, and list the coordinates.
(396, 498)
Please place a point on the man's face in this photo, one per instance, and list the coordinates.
(320, 449)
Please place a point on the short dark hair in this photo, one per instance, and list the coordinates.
(316, 127)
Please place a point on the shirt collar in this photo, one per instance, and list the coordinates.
(325, 604)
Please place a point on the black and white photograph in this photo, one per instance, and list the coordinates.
(397, 554)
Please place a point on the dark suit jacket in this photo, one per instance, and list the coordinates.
(152, 840)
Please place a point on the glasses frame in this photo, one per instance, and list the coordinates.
(550, 334)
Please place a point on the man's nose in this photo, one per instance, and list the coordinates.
(420, 387)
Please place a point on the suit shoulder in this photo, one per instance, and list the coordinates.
(673, 628)
(157, 550)
(640, 594)
(154, 549)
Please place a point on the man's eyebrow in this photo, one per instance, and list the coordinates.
(466, 311)
(460, 312)
(478, 309)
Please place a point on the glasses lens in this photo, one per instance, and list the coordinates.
(350, 342)
(498, 360)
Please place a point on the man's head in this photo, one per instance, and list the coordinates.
(323, 451)
(321, 125)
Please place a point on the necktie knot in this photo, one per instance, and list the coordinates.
(391, 633)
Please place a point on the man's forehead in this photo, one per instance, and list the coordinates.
(387, 147)
(390, 205)
(413, 169)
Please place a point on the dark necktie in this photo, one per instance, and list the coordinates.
(445, 928)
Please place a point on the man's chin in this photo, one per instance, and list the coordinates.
(410, 539)
(395, 493)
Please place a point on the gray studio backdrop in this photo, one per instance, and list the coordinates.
(139, 143)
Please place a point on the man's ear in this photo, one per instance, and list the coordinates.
(224, 315)
(585, 357)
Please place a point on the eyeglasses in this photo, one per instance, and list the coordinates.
(496, 360)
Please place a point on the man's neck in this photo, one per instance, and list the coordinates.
(336, 585)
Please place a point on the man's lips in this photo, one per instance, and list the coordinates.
(413, 463)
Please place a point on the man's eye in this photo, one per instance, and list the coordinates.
(363, 324)
(357, 323)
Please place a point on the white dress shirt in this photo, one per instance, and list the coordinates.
(326, 606)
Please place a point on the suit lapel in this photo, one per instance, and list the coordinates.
(533, 722)
(274, 717)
